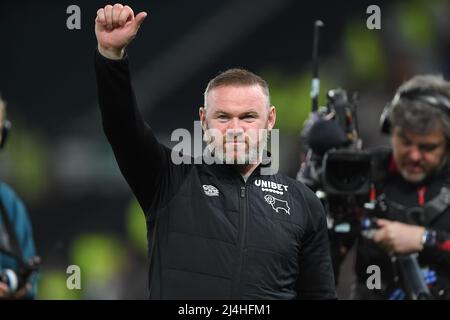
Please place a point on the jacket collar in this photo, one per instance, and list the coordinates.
(229, 171)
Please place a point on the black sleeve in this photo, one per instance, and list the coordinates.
(440, 251)
(143, 161)
(316, 278)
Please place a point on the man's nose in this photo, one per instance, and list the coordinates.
(235, 130)
(235, 125)
(415, 154)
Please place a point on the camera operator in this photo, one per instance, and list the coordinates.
(412, 184)
(16, 237)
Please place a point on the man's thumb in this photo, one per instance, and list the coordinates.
(140, 18)
(382, 222)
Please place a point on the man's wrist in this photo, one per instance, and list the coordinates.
(113, 54)
(428, 239)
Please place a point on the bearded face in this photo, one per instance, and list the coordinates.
(236, 146)
(236, 122)
(419, 155)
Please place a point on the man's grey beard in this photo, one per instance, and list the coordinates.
(416, 178)
(243, 157)
(421, 177)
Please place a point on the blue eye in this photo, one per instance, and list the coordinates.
(222, 117)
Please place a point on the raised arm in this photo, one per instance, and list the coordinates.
(115, 27)
(145, 164)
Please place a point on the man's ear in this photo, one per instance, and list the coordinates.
(202, 116)
(271, 118)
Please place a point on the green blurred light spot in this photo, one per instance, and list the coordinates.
(29, 156)
(100, 257)
(416, 23)
(365, 52)
(136, 226)
(291, 97)
(52, 286)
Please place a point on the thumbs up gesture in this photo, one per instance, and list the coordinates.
(115, 27)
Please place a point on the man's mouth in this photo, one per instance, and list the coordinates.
(414, 168)
(235, 146)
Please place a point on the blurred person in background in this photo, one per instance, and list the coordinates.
(17, 250)
(412, 189)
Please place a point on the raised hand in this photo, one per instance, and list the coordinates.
(115, 27)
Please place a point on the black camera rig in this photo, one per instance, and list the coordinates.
(342, 175)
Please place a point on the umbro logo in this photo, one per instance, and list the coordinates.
(210, 190)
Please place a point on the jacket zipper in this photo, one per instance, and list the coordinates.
(241, 240)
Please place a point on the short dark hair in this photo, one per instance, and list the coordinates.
(238, 77)
(414, 108)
